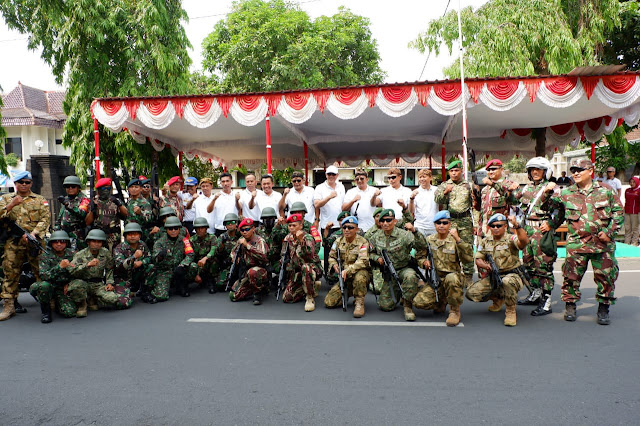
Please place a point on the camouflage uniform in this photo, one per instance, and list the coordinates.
(355, 260)
(106, 219)
(493, 199)
(128, 277)
(95, 278)
(54, 279)
(33, 215)
(459, 202)
(145, 219)
(447, 256)
(172, 259)
(274, 240)
(71, 219)
(587, 212)
(175, 203)
(207, 246)
(223, 256)
(256, 279)
(303, 268)
(332, 276)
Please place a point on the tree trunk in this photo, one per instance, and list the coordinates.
(541, 139)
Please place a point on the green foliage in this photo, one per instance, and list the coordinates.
(11, 159)
(523, 37)
(201, 169)
(274, 45)
(283, 177)
(202, 83)
(516, 165)
(107, 48)
(3, 161)
(617, 152)
(623, 45)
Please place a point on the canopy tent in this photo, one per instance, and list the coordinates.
(380, 122)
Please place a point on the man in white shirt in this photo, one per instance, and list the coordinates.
(250, 209)
(225, 201)
(191, 185)
(201, 201)
(268, 197)
(300, 192)
(357, 200)
(613, 181)
(423, 205)
(395, 196)
(328, 197)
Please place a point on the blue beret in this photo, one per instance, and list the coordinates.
(443, 214)
(22, 175)
(349, 219)
(498, 217)
(191, 181)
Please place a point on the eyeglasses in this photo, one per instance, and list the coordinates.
(246, 229)
(361, 178)
(386, 219)
(496, 226)
(349, 227)
(229, 222)
(146, 186)
(492, 169)
(392, 177)
(331, 174)
(575, 170)
(296, 180)
(24, 182)
(173, 228)
(442, 222)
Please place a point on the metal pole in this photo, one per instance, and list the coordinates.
(465, 160)
(268, 129)
(444, 162)
(593, 159)
(306, 163)
(96, 136)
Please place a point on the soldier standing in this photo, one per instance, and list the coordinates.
(31, 212)
(172, 254)
(133, 264)
(138, 208)
(493, 198)
(107, 214)
(594, 216)
(354, 258)
(172, 198)
(505, 249)
(204, 268)
(253, 252)
(55, 272)
(73, 213)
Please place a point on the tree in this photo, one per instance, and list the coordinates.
(274, 45)
(623, 46)
(107, 48)
(517, 164)
(3, 162)
(199, 169)
(617, 152)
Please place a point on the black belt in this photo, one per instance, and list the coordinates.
(95, 280)
(465, 213)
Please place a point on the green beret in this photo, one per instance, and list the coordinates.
(455, 164)
(387, 212)
(377, 211)
(342, 215)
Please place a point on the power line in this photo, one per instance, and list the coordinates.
(429, 55)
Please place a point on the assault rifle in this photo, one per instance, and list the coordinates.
(494, 274)
(282, 276)
(125, 176)
(16, 231)
(389, 268)
(116, 181)
(343, 288)
(154, 184)
(474, 175)
(431, 277)
(235, 272)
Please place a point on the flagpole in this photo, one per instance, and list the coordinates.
(465, 159)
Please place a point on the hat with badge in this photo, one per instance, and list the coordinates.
(387, 212)
(455, 164)
(175, 179)
(494, 162)
(22, 175)
(132, 182)
(377, 211)
(441, 215)
(296, 217)
(191, 181)
(349, 219)
(144, 180)
(103, 182)
(246, 222)
(498, 217)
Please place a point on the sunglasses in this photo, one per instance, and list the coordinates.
(70, 186)
(331, 174)
(361, 178)
(246, 229)
(496, 226)
(442, 222)
(392, 177)
(296, 180)
(386, 219)
(575, 170)
(349, 227)
(230, 222)
(24, 182)
(492, 169)
(173, 228)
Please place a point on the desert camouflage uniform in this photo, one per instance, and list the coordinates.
(303, 268)
(128, 278)
(354, 257)
(95, 278)
(106, 219)
(256, 279)
(207, 246)
(223, 256)
(54, 278)
(172, 259)
(71, 220)
(175, 203)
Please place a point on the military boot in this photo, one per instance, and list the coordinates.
(257, 299)
(211, 285)
(309, 304)
(93, 304)
(8, 311)
(441, 306)
(570, 312)
(409, 315)
(603, 314)
(510, 316)
(358, 307)
(532, 298)
(544, 305)
(454, 316)
(18, 307)
(46, 318)
(496, 306)
(81, 312)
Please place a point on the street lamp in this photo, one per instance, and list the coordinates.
(39, 144)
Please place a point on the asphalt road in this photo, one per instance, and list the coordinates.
(151, 365)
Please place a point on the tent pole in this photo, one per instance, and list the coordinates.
(306, 163)
(180, 165)
(268, 130)
(444, 162)
(465, 161)
(593, 158)
(96, 136)
(430, 163)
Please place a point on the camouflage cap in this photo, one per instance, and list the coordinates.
(582, 163)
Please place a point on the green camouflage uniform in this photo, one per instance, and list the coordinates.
(274, 240)
(54, 279)
(145, 219)
(223, 256)
(126, 276)
(354, 257)
(207, 246)
(106, 219)
(95, 278)
(303, 268)
(255, 280)
(175, 203)
(587, 212)
(459, 202)
(172, 258)
(71, 219)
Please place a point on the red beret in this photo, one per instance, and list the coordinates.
(294, 218)
(103, 182)
(494, 162)
(173, 180)
(142, 177)
(246, 222)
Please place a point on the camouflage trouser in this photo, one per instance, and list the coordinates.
(605, 274)
(465, 231)
(112, 241)
(450, 289)
(377, 278)
(356, 287)
(14, 256)
(301, 282)
(67, 303)
(161, 284)
(538, 265)
(98, 292)
(207, 273)
(409, 280)
(480, 291)
(255, 281)
(122, 289)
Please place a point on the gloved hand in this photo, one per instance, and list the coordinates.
(63, 200)
(116, 201)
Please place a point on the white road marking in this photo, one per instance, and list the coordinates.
(632, 271)
(311, 322)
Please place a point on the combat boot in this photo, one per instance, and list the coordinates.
(544, 305)
(211, 285)
(309, 304)
(257, 299)
(409, 315)
(603, 314)
(358, 307)
(570, 312)
(81, 312)
(18, 307)
(93, 304)
(441, 306)
(496, 306)
(510, 316)
(8, 311)
(45, 308)
(532, 299)
(454, 316)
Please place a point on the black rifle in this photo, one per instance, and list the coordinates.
(235, 272)
(391, 270)
(343, 287)
(494, 274)
(17, 231)
(154, 184)
(474, 175)
(282, 276)
(126, 177)
(432, 274)
(428, 278)
(116, 181)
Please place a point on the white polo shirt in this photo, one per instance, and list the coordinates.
(390, 197)
(305, 196)
(226, 203)
(245, 198)
(426, 208)
(200, 208)
(263, 201)
(330, 211)
(189, 214)
(362, 208)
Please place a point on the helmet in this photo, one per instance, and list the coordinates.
(59, 236)
(96, 234)
(172, 222)
(72, 180)
(540, 163)
(200, 221)
(298, 206)
(230, 216)
(267, 213)
(166, 211)
(132, 227)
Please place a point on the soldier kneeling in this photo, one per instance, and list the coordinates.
(252, 250)
(133, 265)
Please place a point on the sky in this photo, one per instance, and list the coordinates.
(393, 25)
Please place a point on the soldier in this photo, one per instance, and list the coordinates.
(107, 214)
(31, 212)
(354, 258)
(75, 207)
(132, 265)
(55, 287)
(456, 196)
(171, 197)
(448, 251)
(594, 216)
(138, 208)
(172, 255)
(227, 242)
(92, 268)
(253, 252)
(303, 267)
(273, 236)
(398, 243)
(204, 268)
(493, 198)
(504, 248)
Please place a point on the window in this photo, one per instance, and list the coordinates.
(240, 178)
(13, 145)
(58, 141)
(411, 177)
(371, 177)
